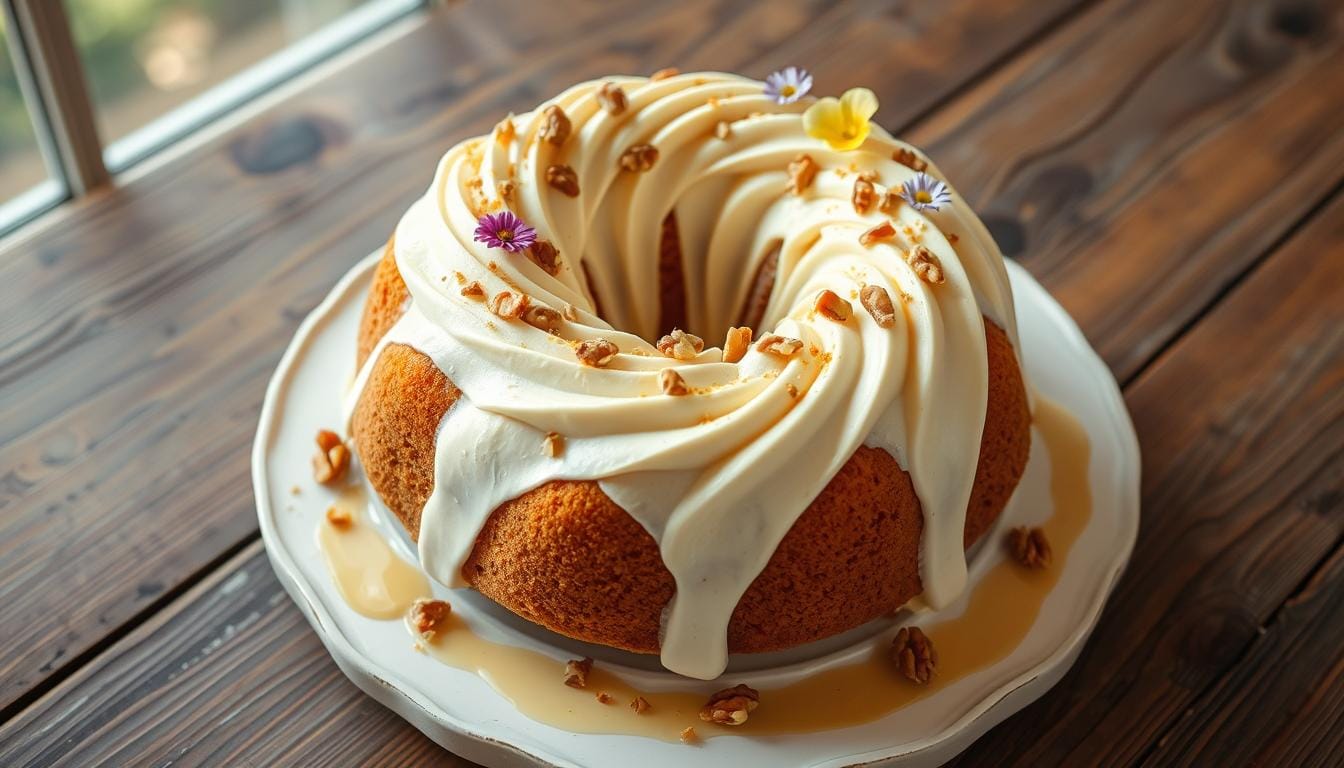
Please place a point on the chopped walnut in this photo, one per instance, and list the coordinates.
(864, 195)
(736, 345)
(640, 705)
(612, 98)
(427, 616)
(775, 344)
(672, 383)
(473, 290)
(339, 518)
(681, 345)
(564, 179)
(791, 389)
(665, 73)
(555, 126)
(925, 264)
(576, 672)
(889, 201)
(509, 305)
(544, 255)
(877, 301)
(603, 697)
(913, 652)
(1029, 546)
(542, 318)
(802, 171)
(639, 158)
(504, 131)
(909, 159)
(332, 458)
(596, 353)
(689, 736)
(723, 130)
(554, 444)
(731, 705)
(832, 307)
(878, 233)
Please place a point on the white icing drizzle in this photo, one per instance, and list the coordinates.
(719, 476)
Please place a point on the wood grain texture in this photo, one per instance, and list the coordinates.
(138, 334)
(1243, 495)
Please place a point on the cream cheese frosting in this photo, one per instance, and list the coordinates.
(717, 476)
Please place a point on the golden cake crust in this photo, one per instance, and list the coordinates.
(569, 558)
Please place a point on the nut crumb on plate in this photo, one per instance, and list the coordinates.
(913, 652)
(731, 706)
(1029, 546)
(426, 616)
(576, 672)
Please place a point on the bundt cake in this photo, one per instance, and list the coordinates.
(536, 405)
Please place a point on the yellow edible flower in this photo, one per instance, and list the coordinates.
(842, 122)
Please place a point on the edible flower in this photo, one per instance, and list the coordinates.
(788, 84)
(504, 230)
(925, 193)
(842, 122)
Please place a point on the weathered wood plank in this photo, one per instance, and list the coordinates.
(138, 333)
(1242, 428)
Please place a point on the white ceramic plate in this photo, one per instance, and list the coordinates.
(464, 714)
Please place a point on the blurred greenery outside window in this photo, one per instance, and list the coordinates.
(24, 181)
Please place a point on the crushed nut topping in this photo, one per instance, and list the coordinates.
(564, 179)
(612, 98)
(640, 705)
(909, 159)
(681, 345)
(802, 171)
(952, 238)
(913, 652)
(603, 697)
(505, 189)
(332, 458)
(427, 616)
(639, 158)
(832, 307)
(665, 73)
(779, 345)
(925, 264)
(1029, 546)
(504, 131)
(554, 444)
(555, 126)
(689, 736)
(544, 255)
(672, 383)
(542, 318)
(791, 389)
(473, 290)
(723, 129)
(877, 301)
(596, 353)
(339, 518)
(736, 345)
(509, 305)
(571, 312)
(731, 705)
(889, 201)
(878, 233)
(576, 672)
(864, 195)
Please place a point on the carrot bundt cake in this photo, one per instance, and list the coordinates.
(537, 404)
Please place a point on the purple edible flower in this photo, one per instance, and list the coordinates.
(925, 193)
(504, 230)
(788, 84)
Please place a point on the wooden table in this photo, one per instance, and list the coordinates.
(1171, 171)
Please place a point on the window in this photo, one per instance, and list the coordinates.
(88, 86)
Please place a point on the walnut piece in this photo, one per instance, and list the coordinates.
(603, 697)
(576, 672)
(877, 233)
(736, 345)
(639, 158)
(544, 255)
(555, 126)
(554, 444)
(665, 73)
(332, 459)
(427, 616)
(612, 98)
(564, 179)
(542, 318)
(723, 130)
(864, 195)
(889, 201)
(509, 305)
(877, 301)
(596, 352)
(640, 705)
(672, 383)
(802, 171)
(689, 736)
(830, 306)
(339, 518)
(775, 344)
(909, 160)
(1029, 546)
(731, 706)
(473, 290)
(913, 652)
(681, 345)
(925, 264)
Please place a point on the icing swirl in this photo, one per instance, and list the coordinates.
(719, 475)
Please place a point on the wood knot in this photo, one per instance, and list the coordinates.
(282, 144)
